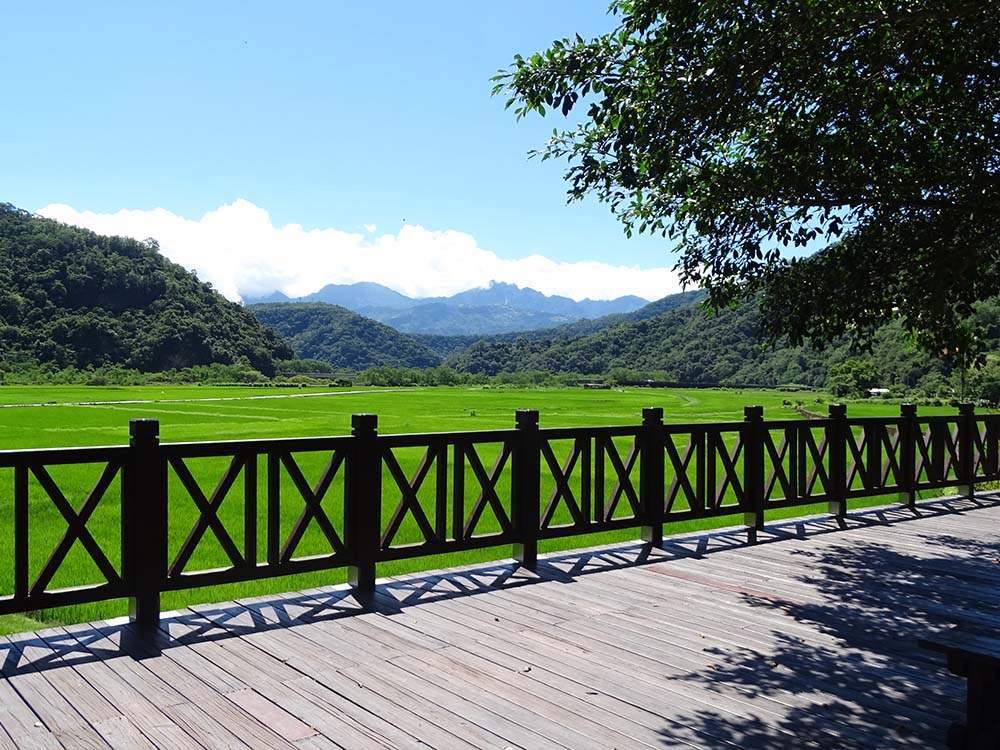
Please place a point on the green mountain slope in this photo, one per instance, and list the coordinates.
(695, 348)
(70, 297)
(343, 338)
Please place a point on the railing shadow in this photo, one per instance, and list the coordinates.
(847, 615)
(871, 604)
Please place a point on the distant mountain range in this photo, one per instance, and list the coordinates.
(446, 345)
(672, 336)
(498, 308)
(347, 340)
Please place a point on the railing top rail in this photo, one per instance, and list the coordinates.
(861, 421)
(782, 424)
(414, 439)
(705, 427)
(939, 419)
(232, 447)
(399, 440)
(51, 456)
(557, 433)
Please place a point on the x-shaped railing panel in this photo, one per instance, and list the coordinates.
(783, 459)
(812, 470)
(77, 526)
(890, 438)
(727, 460)
(488, 485)
(624, 485)
(409, 502)
(312, 497)
(681, 482)
(986, 448)
(937, 452)
(562, 490)
(208, 513)
(857, 464)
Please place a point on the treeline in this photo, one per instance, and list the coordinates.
(70, 298)
(308, 372)
(437, 376)
(849, 379)
(385, 376)
(214, 374)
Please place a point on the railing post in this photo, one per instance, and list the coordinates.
(363, 504)
(525, 481)
(144, 522)
(837, 446)
(991, 447)
(908, 454)
(966, 446)
(651, 489)
(753, 471)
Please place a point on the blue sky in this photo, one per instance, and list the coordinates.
(309, 131)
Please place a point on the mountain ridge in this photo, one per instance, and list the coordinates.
(446, 345)
(497, 308)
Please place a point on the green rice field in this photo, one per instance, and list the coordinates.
(44, 416)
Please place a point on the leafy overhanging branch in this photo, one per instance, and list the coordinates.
(740, 129)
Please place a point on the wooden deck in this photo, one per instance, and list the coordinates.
(806, 639)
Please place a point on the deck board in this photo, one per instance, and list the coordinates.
(806, 639)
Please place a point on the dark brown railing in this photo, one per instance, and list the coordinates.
(375, 498)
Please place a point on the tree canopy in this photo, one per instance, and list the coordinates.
(73, 298)
(741, 130)
(343, 338)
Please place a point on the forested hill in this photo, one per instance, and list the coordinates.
(73, 298)
(317, 330)
(691, 347)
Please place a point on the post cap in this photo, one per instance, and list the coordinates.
(753, 413)
(966, 408)
(652, 415)
(364, 423)
(837, 411)
(526, 418)
(907, 410)
(144, 430)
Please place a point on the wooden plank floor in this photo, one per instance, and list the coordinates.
(806, 639)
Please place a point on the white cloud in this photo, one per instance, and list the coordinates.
(241, 252)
